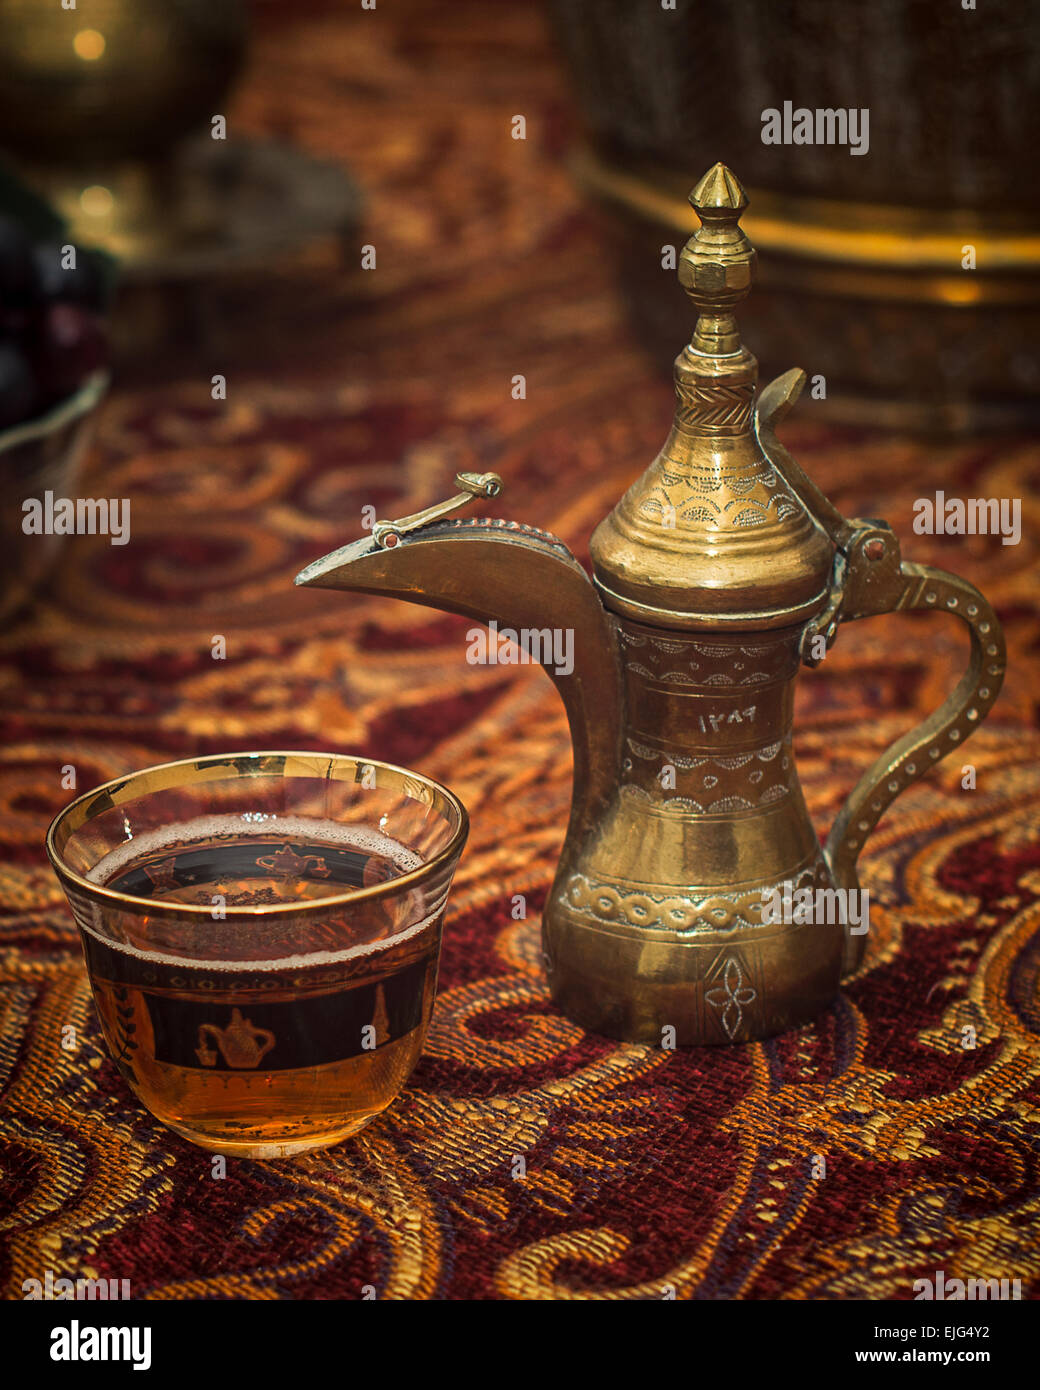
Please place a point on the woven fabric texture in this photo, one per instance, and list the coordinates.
(645, 1171)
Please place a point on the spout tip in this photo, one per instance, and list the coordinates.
(322, 573)
(307, 574)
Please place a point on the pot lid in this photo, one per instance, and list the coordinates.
(712, 534)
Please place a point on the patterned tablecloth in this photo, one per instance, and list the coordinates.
(644, 1169)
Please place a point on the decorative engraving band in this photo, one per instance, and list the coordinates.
(714, 406)
(687, 805)
(719, 500)
(733, 782)
(675, 661)
(620, 903)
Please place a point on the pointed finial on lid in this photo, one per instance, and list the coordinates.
(717, 264)
(718, 189)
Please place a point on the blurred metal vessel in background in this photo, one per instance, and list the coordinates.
(862, 256)
(108, 110)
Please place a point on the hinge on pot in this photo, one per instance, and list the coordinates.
(387, 534)
(866, 579)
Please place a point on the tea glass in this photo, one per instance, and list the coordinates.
(262, 934)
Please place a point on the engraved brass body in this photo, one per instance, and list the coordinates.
(720, 572)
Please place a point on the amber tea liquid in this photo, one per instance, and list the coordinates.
(269, 1037)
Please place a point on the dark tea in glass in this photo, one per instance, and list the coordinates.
(262, 934)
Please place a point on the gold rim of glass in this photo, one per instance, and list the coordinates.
(164, 776)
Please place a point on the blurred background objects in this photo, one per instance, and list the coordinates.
(861, 255)
(116, 112)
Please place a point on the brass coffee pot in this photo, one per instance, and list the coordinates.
(721, 571)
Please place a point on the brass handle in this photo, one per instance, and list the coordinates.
(870, 579)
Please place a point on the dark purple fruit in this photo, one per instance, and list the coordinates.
(18, 394)
(79, 284)
(18, 278)
(70, 344)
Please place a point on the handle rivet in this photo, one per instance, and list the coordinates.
(874, 549)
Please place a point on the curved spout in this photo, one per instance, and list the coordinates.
(522, 579)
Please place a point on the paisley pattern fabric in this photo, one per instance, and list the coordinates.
(526, 1159)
